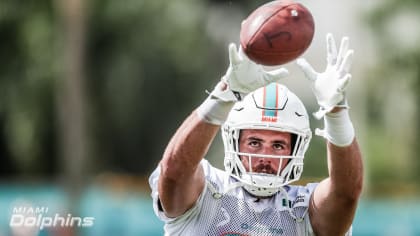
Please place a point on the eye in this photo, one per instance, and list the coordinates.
(254, 143)
(278, 146)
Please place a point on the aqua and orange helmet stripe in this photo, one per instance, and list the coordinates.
(270, 103)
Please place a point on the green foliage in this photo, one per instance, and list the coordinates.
(147, 64)
(316, 159)
(147, 68)
(394, 24)
(26, 73)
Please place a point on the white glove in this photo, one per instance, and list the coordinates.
(329, 86)
(244, 76)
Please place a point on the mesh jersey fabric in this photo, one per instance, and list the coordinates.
(237, 213)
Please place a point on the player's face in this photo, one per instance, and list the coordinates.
(264, 142)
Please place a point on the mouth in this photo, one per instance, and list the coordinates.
(265, 171)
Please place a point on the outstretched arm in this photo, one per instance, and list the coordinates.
(334, 201)
(182, 179)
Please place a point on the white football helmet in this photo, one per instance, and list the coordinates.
(276, 108)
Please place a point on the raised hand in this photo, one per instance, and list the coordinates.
(244, 76)
(329, 86)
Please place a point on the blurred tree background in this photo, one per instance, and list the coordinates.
(88, 87)
(393, 97)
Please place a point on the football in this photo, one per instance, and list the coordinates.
(277, 32)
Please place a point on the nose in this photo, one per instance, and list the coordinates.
(266, 150)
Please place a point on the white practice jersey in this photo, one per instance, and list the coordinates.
(237, 213)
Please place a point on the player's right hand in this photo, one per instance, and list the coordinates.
(244, 76)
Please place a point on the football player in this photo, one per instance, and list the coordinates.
(266, 132)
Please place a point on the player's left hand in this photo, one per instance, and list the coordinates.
(329, 86)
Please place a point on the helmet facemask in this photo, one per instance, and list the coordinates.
(287, 168)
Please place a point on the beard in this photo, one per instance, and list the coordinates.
(266, 168)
